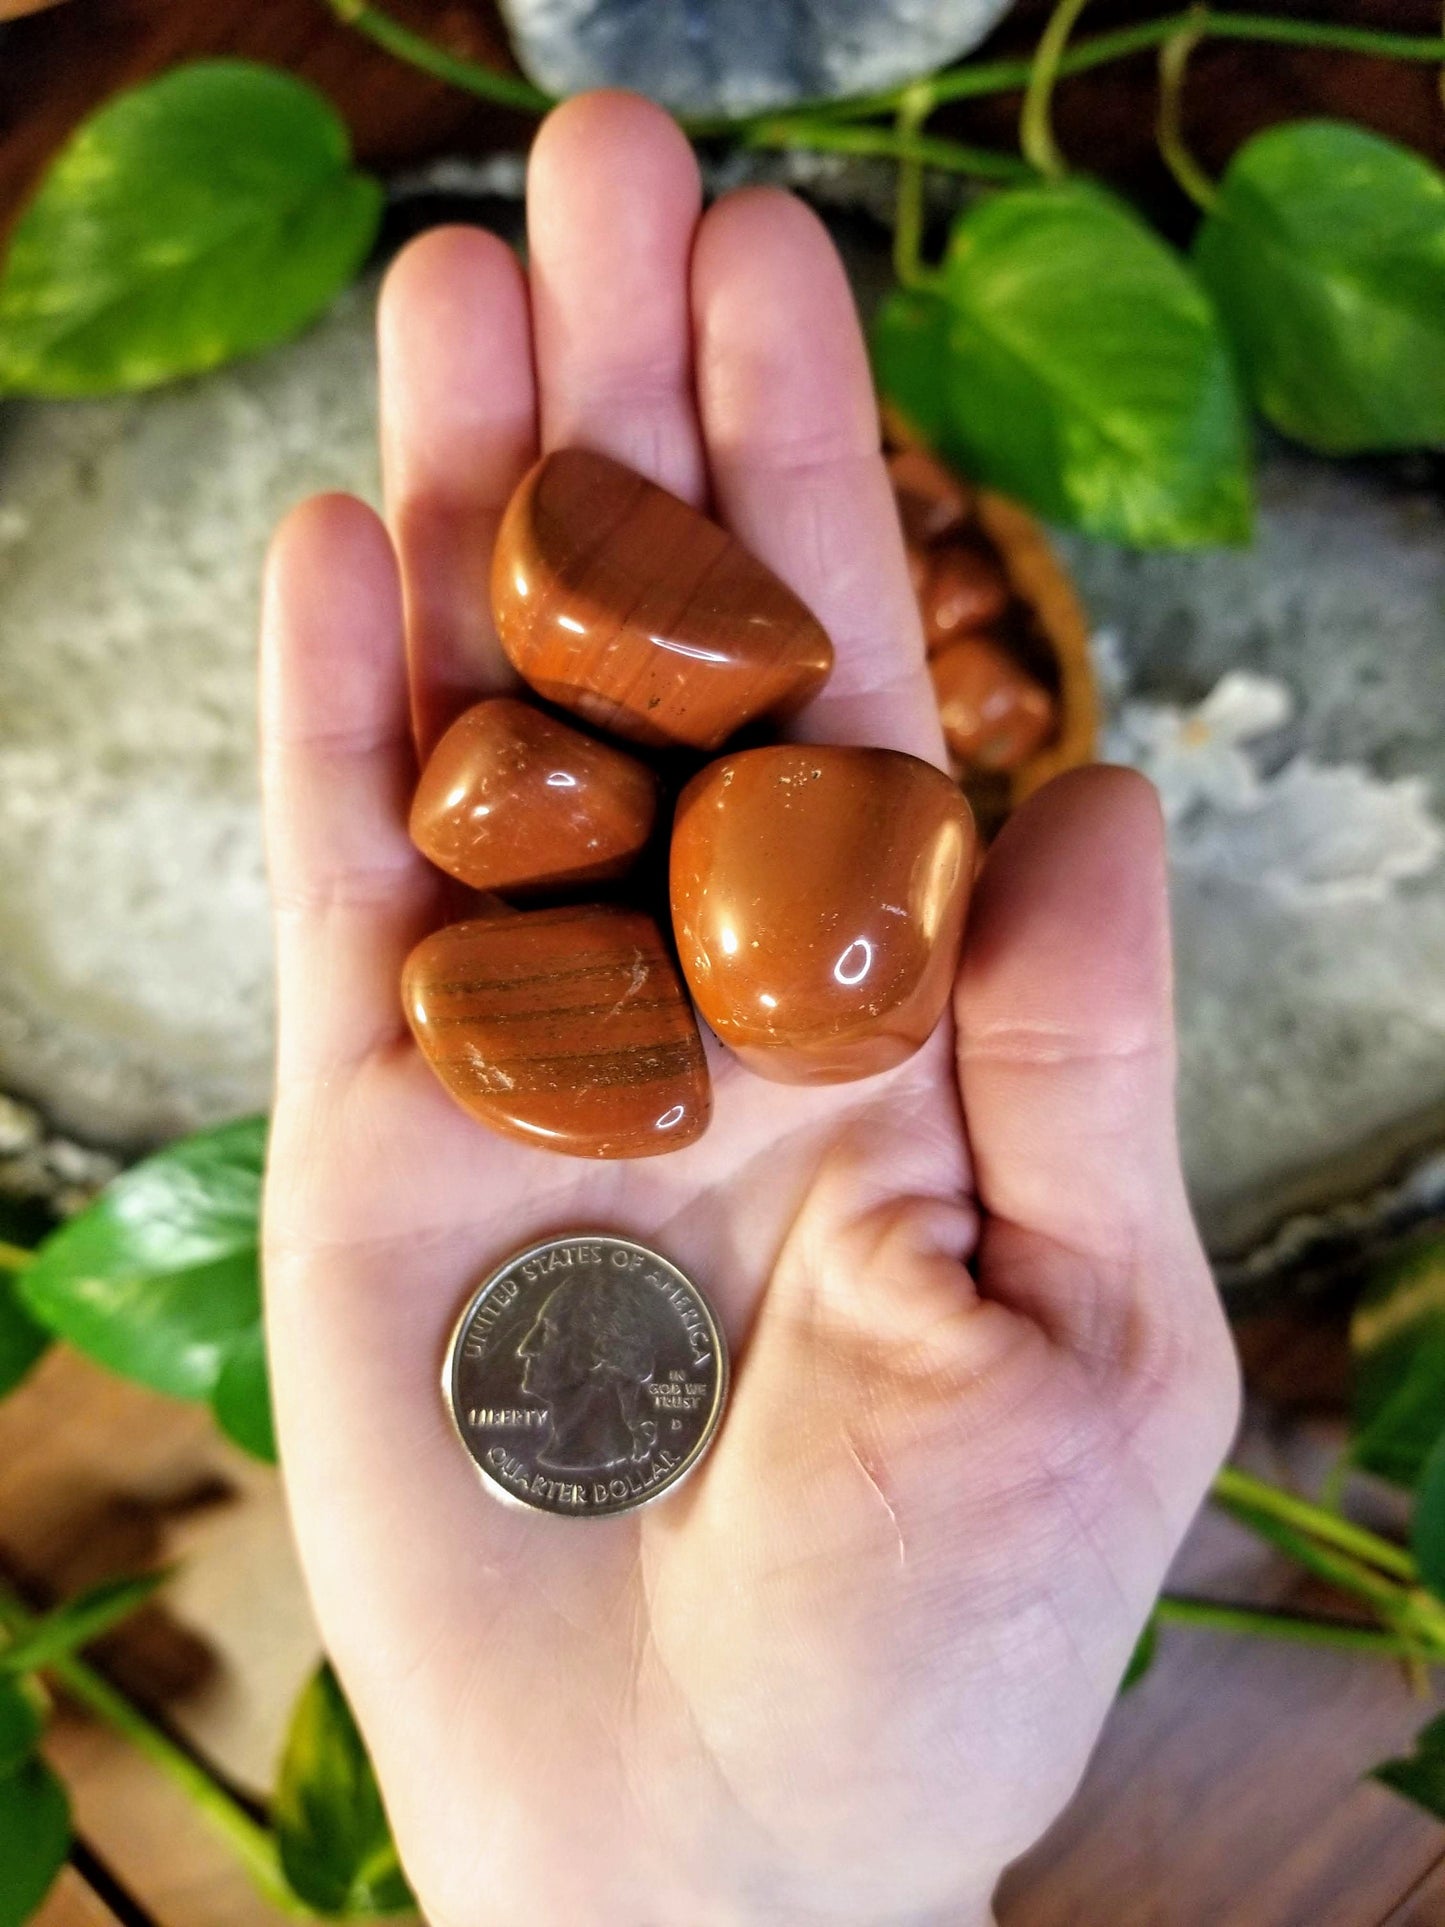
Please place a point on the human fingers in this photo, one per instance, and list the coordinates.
(1066, 1059)
(349, 893)
(612, 204)
(458, 430)
(791, 422)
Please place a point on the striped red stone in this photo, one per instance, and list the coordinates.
(569, 1028)
(625, 605)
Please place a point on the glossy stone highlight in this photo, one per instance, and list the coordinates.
(621, 603)
(818, 898)
(568, 1028)
(994, 715)
(513, 800)
(965, 590)
(932, 502)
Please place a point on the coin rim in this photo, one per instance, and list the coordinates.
(709, 1432)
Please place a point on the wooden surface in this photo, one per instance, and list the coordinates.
(1227, 1790)
(96, 1478)
(73, 1902)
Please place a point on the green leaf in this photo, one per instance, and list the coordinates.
(241, 1400)
(1427, 1531)
(1325, 254)
(336, 1846)
(21, 1339)
(909, 341)
(1142, 1657)
(78, 1622)
(158, 1278)
(1087, 373)
(34, 1839)
(20, 1724)
(1397, 1336)
(202, 216)
(1420, 1775)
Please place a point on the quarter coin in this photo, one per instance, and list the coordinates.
(586, 1376)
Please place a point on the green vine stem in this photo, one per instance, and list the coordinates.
(1234, 1488)
(1389, 1600)
(1169, 128)
(1036, 119)
(977, 79)
(908, 209)
(969, 81)
(253, 1844)
(1258, 1621)
(417, 51)
(912, 150)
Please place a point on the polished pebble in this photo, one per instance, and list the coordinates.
(932, 502)
(818, 898)
(621, 603)
(512, 799)
(569, 1028)
(966, 590)
(994, 714)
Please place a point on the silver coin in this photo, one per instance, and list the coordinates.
(586, 1376)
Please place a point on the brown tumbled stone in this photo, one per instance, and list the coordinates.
(569, 1028)
(994, 714)
(620, 602)
(932, 502)
(512, 799)
(818, 898)
(966, 590)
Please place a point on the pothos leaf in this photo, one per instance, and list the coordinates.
(336, 1846)
(203, 215)
(1325, 255)
(1427, 1531)
(1420, 1776)
(1087, 373)
(241, 1399)
(1142, 1657)
(22, 1340)
(1397, 1336)
(34, 1839)
(20, 1724)
(909, 341)
(157, 1279)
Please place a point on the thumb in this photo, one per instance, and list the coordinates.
(1066, 1067)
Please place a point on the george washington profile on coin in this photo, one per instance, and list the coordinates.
(589, 1358)
(586, 1376)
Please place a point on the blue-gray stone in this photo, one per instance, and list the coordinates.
(740, 56)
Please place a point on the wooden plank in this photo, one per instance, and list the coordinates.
(149, 1835)
(1227, 1787)
(73, 1902)
(99, 1477)
(1228, 1784)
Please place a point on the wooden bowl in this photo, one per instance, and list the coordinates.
(1044, 630)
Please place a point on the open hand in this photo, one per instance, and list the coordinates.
(857, 1663)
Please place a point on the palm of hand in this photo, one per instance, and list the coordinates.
(856, 1664)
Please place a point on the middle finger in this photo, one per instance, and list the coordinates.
(613, 199)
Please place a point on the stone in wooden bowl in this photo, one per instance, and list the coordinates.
(1008, 640)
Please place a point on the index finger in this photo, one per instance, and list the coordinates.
(791, 423)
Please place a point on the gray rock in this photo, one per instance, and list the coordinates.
(135, 997)
(1308, 886)
(738, 57)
